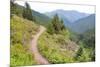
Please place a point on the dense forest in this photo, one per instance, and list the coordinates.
(57, 44)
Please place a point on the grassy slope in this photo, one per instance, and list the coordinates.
(53, 47)
(21, 31)
(56, 47)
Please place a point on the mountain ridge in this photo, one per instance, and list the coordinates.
(84, 24)
(70, 15)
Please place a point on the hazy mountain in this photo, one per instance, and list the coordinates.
(67, 15)
(84, 24)
(81, 21)
(76, 21)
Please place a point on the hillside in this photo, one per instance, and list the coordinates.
(40, 18)
(58, 44)
(57, 48)
(84, 24)
(37, 41)
(21, 31)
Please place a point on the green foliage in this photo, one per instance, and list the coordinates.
(86, 42)
(15, 9)
(50, 46)
(57, 44)
(89, 39)
(50, 29)
(27, 12)
(21, 11)
(55, 47)
(74, 37)
(36, 16)
(56, 25)
(79, 53)
(20, 56)
(21, 31)
(62, 25)
(41, 18)
(84, 54)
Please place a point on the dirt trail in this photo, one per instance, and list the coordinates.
(37, 56)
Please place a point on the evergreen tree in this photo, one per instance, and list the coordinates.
(27, 12)
(15, 9)
(12, 7)
(55, 22)
(62, 24)
(56, 25)
(50, 28)
(79, 53)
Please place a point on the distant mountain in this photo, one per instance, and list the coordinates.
(83, 25)
(75, 21)
(67, 15)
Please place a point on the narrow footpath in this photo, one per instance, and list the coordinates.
(37, 56)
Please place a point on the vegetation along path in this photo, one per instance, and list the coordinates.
(38, 57)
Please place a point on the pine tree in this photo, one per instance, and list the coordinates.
(15, 9)
(62, 25)
(12, 7)
(79, 53)
(27, 12)
(50, 28)
(56, 25)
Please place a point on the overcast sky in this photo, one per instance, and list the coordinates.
(48, 7)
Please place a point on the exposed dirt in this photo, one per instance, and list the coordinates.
(37, 56)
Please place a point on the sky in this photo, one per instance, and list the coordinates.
(48, 7)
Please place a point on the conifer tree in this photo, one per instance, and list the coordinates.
(62, 24)
(57, 24)
(79, 53)
(27, 12)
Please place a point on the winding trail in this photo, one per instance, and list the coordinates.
(37, 56)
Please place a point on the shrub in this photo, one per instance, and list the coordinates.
(20, 56)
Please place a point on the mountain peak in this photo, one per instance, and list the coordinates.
(71, 15)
